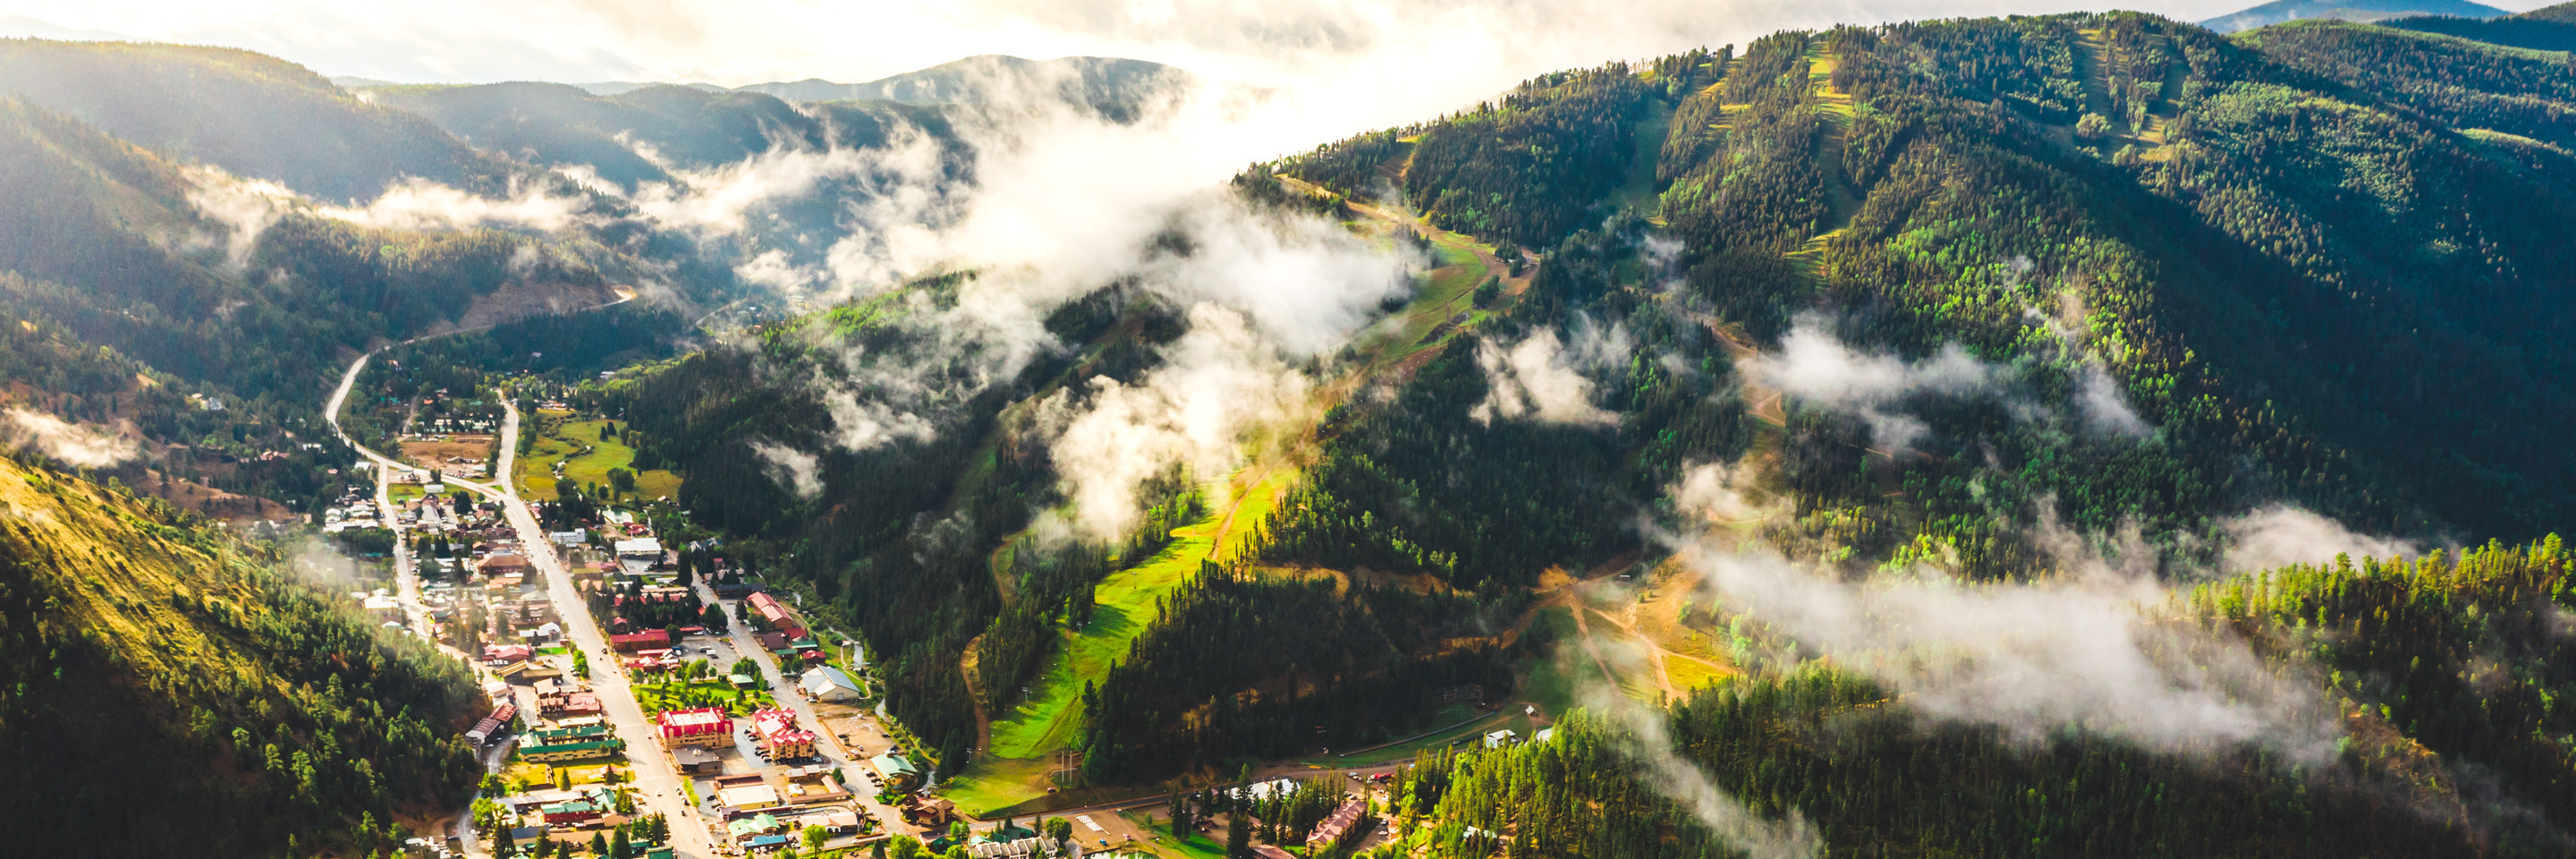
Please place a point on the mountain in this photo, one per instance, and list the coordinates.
(557, 125)
(1118, 88)
(2278, 11)
(154, 656)
(2547, 29)
(254, 115)
(2147, 282)
(2563, 13)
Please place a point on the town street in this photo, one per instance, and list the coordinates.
(654, 775)
(784, 689)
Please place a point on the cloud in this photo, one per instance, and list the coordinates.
(2098, 647)
(246, 207)
(1645, 741)
(1814, 368)
(67, 442)
(797, 470)
(1218, 382)
(2281, 535)
(717, 201)
(1536, 379)
(420, 204)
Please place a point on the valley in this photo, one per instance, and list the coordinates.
(2049, 435)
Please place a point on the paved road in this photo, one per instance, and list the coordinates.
(654, 775)
(829, 744)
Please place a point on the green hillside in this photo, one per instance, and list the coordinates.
(254, 115)
(157, 661)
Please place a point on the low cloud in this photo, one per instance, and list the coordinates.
(2099, 647)
(2281, 535)
(1218, 383)
(1537, 379)
(1815, 368)
(66, 442)
(246, 208)
(800, 472)
(420, 204)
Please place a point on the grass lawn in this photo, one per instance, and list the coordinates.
(656, 697)
(401, 492)
(1191, 847)
(535, 468)
(1013, 770)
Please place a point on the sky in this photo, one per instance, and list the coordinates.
(1479, 46)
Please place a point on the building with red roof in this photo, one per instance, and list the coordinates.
(780, 738)
(703, 726)
(651, 639)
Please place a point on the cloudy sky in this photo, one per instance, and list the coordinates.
(1481, 44)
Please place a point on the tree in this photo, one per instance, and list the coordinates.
(563, 778)
(618, 849)
(1238, 837)
(814, 838)
(959, 831)
(1060, 829)
(598, 844)
(906, 847)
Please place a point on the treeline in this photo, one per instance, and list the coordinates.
(1055, 585)
(895, 542)
(1244, 666)
(156, 658)
(1428, 483)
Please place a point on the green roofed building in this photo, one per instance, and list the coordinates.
(543, 752)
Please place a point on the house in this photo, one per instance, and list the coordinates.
(692, 759)
(651, 639)
(527, 836)
(835, 822)
(640, 547)
(1543, 735)
(572, 813)
(505, 565)
(1501, 738)
(1346, 824)
(703, 726)
(572, 734)
(897, 769)
(773, 641)
(530, 750)
(751, 796)
(826, 683)
(743, 828)
(1016, 848)
(1266, 851)
(582, 704)
(813, 784)
(504, 654)
(780, 737)
(492, 725)
(528, 672)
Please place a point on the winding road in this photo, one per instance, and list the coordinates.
(657, 781)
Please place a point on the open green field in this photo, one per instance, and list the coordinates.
(657, 697)
(402, 492)
(1189, 847)
(535, 470)
(1013, 769)
(1447, 294)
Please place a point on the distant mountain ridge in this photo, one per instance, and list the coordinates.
(2280, 11)
(1113, 84)
(2551, 28)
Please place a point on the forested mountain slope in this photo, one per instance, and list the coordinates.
(254, 115)
(154, 660)
(2548, 29)
(2217, 229)
(201, 276)
(1115, 88)
(2279, 11)
(558, 125)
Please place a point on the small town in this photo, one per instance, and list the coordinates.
(651, 700)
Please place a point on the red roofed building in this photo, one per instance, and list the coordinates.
(651, 639)
(582, 703)
(506, 653)
(704, 726)
(780, 738)
(777, 616)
